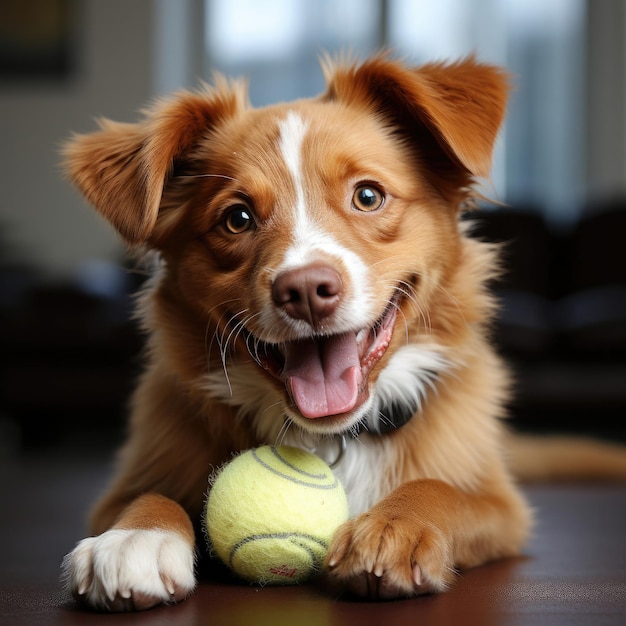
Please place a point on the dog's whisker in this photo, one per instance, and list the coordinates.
(217, 326)
(282, 433)
(207, 345)
(253, 350)
(424, 316)
(405, 322)
(406, 290)
(239, 328)
(206, 176)
(225, 367)
(271, 406)
(254, 353)
(409, 292)
(218, 338)
(383, 419)
(236, 330)
(224, 341)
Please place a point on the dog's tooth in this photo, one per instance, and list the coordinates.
(361, 335)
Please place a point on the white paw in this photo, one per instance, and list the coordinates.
(123, 570)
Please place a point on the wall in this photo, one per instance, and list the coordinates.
(129, 51)
(44, 220)
(606, 100)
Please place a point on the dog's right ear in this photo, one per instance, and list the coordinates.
(122, 168)
(450, 113)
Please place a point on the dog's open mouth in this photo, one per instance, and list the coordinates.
(328, 375)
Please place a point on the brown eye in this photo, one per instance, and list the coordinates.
(239, 219)
(367, 198)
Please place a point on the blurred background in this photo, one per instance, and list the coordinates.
(68, 352)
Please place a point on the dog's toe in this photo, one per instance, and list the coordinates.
(378, 558)
(123, 570)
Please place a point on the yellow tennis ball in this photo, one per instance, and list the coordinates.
(271, 513)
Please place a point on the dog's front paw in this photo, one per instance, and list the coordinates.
(124, 570)
(383, 556)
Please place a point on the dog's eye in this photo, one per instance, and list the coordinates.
(367, 198)
(239, 219)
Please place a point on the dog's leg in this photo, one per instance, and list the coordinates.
(142, 550)
(146, 558)
(413, 541)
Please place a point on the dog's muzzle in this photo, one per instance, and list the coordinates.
(326, 375)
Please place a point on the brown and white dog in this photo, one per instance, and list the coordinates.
(315, 287)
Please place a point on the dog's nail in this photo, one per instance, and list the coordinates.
(417, 575)
(169, 586)
(378, 571)
(336, 556)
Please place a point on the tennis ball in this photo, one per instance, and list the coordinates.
(271, 513)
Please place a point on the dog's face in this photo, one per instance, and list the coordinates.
(312, 239)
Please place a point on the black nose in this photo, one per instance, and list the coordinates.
(309, 293)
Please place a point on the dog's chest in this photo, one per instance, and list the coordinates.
(362, 468)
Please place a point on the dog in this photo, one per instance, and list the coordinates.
(314, 286)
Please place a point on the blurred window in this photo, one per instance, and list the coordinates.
(277, 43)
(540, 156)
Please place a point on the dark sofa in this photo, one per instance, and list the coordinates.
(70, 352)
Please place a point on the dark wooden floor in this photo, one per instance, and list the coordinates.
(573, 571)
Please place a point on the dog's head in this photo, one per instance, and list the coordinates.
(317, 237)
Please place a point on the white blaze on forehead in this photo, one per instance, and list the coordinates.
(308, 236)
(292, 131)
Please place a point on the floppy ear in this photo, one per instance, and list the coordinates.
(122, 168)
(451, 113)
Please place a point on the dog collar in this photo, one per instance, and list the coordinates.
(388, 419)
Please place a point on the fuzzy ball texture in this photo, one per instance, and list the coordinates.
(271, 513)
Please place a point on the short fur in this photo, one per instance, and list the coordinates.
(269, 257)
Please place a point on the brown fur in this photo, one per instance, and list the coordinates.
(165, 183)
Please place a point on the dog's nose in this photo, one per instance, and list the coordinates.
(309, 293)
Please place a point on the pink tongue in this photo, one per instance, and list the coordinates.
(323, 376)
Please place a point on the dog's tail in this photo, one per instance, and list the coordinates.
(534, 458)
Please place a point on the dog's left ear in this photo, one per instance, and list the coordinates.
(123, 169)
(451, 113)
